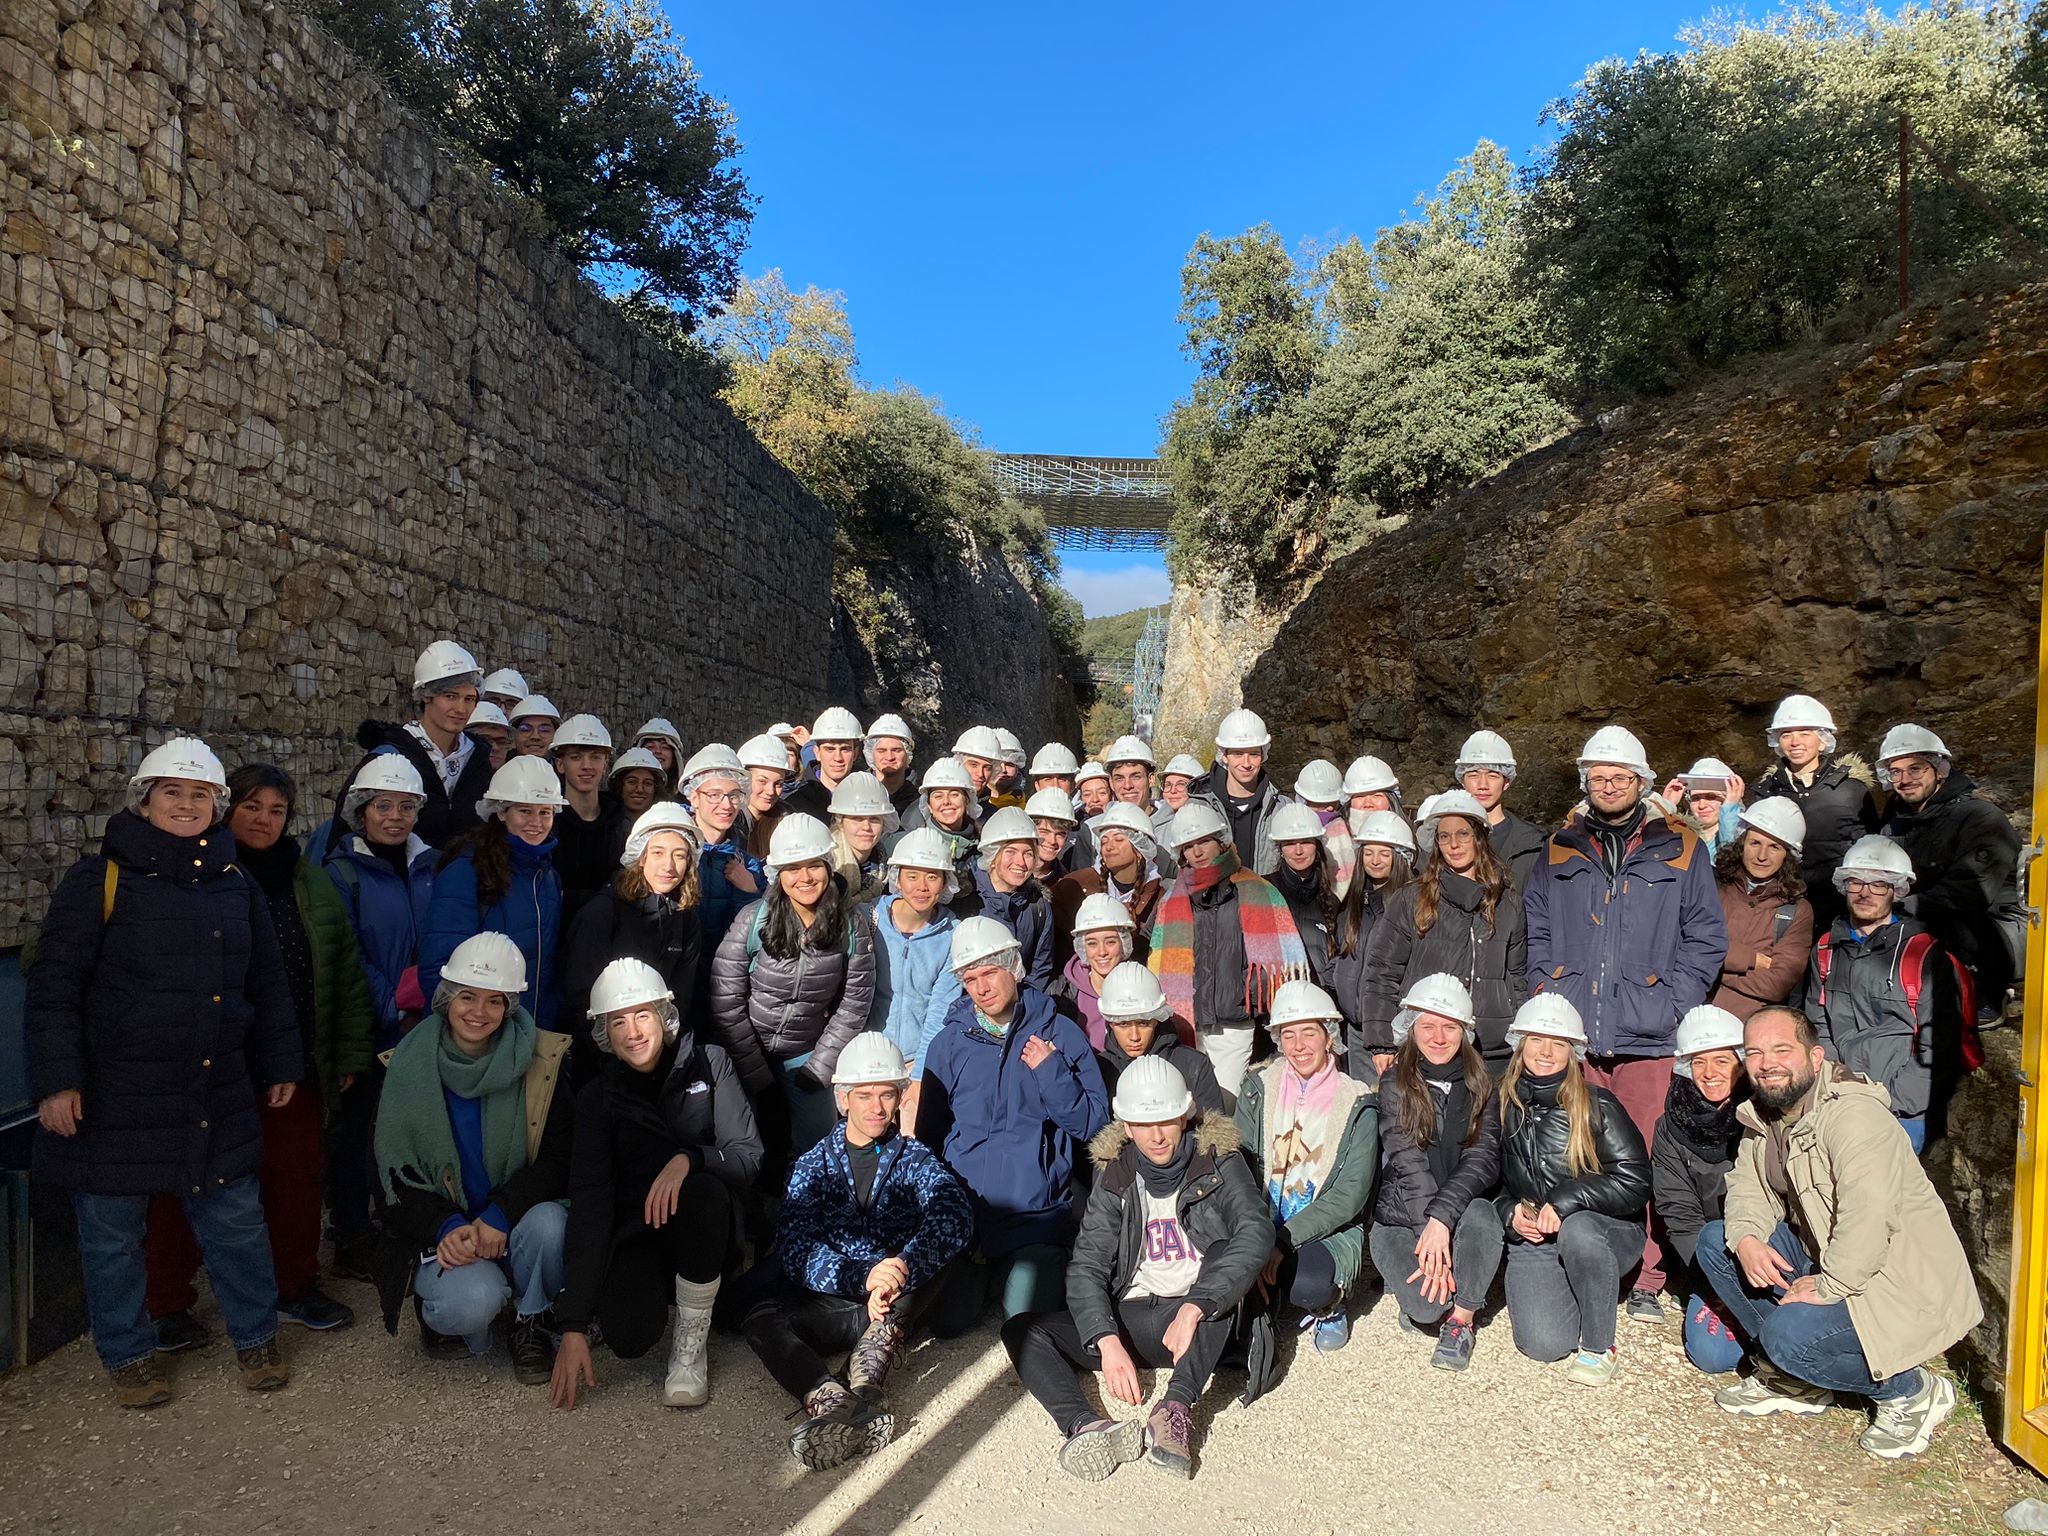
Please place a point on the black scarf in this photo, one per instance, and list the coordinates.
(272, 869)
(1163, 1179)
(1707, 1130)
(636, 1096)
(392, 854)
(1454, 1112)
(1302, 888)
(1611, 836)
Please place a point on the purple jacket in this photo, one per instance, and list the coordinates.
(1632, 952)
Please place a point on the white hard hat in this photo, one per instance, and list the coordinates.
(387, 773)
(1384, 827)
(486, 713)
(836, 724)
(1706, 1028)
(982, 940)
(782, 730)
(1910, 741)
(925, 848)
(1777, 817)
(1053, 804)
(1616, 746)
(522, 781)
(1126, 818)
(445, 663)
(659, 727)
(893, 727)
(1875, 855)
(715, 760)
(1442, 994)
(1089, 771)
(1053, 761)
(1319, 782)
(1303, 1002)
(1127, 749)
(534, 704)
(636, 757)
(1485, 749)
(1369, 776)
(869, 1057)
(1013, 749)
(487, 960)
(627, 983)
(763, 751)
(860, 794)
(797, 839)
(1551, 1014)
(946, 773)
(1802, 712)
(506, 684)
(1241, 730)
(1707, 768)
(1293, 823)
(1131, 991)
(1008, 825)
(1183, 766)
(1151, 1091)
(662, 816)
(979, 741)
(581, 731)
(182, 757)
(1099, 911)
(1453, 802)
(1196, 820)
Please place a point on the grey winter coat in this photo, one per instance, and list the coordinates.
(1491, 963)
(767, 1010)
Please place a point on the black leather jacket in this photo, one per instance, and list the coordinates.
(1532, 1157)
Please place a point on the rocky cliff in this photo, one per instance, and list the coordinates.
(1865, 526)
(1215, 631)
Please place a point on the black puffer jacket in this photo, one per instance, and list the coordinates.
(1492, 964)
(1689, 1168)
(1965, 854)
(1532, 1155)
(169, 1018)
(1519, 845)
(653, 929)
(444, 817)
(1305, 906)
(1839, 808)
(1408, 1193)
(767, 1010)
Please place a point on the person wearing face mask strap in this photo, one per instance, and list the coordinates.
(1834, 792)
(1696, 1143)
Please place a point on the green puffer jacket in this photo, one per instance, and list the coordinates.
(1336, 1216)
(344, 1019)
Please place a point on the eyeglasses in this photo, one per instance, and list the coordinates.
(1856, 887)
(1609, 780)
(719, 796)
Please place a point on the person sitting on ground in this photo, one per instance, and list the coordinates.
(860, 813)
(915, 986)
(1836, 1256)
(1436, 1237)
(472, 1145)
(665, 1148)
(1311, 1133)
(1126, 867)
(1575, 1179)
(1173, 1237)
(1137, 1023)
(1005, 890)
(1884, 997)
(1222, 944)
(1010, 1092)
(159, 1027)
(1763, 903)
(1696, 1142)
(862, 1245)
(1103, 937)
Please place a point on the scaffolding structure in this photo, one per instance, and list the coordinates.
(1148, 669)
(1091, 503)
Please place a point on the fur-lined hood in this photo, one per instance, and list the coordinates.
(1214, 1135)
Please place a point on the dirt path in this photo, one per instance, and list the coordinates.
(373, 1438)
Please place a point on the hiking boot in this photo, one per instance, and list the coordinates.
(1770, 1391)
(688, 1382)
(355, 1258)
(313, 1308)
(1905, 1426)
(1593, 1368)
(532, 1342)
(1453, 1346)
(1166, 1431)
(1331, 1333)
(879, 1352)
(1644, 1307)
(145, 1384)
(1098, 1447)
(438, 1346)
(263, 1370)
(839, 1427)
(177, 1332)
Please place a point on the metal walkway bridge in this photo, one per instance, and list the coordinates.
(1091, 503)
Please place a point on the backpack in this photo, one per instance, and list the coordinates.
(760, 915)
(34, 944)
(1912, 977)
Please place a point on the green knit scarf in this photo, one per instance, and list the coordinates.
(415, 1145)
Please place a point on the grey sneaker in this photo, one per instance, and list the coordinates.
(1770, 1391)
(1100, 1446)
(1592, 1368)
(1644, 1307)
(1453, 1346)
(1905, 1426)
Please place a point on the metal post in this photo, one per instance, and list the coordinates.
(1905, 216)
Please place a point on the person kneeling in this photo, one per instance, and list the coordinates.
(1174, 1235)
(665, 1147)
(863, 1239)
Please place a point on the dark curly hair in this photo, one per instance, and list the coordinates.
(1788, 884)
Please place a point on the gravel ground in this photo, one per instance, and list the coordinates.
(372, 1437)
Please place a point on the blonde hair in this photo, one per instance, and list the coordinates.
(1575, 1098)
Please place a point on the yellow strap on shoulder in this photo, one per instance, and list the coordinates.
(107, 892)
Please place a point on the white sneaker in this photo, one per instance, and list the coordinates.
(688, 1384)
(1905, 1426)
(1770, 1391)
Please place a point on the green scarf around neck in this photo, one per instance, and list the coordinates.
(415, 1144)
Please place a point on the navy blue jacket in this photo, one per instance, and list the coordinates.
(529, 914)
(389, 914)
(170, 1018)
(1026, 912)
(917, 1211)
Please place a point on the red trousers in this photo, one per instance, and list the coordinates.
(1641, 1083)
(292, 1195)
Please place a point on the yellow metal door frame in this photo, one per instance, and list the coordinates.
(2026, 1349)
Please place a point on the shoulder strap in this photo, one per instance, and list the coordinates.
(754, 933)
(1823, 957)
(1913, 968)
(107, 892)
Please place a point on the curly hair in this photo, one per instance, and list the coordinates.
(1788, 884)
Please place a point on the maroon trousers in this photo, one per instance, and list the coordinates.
(1641, 1083)
(292, 1195)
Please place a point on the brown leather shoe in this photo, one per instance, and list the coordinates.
(145, 1384)
(263, 1370)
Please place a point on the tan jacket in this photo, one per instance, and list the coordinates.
(1887, 1247)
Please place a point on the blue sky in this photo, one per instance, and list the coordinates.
(1005, 194)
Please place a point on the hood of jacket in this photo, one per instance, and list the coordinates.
(1214, 1135)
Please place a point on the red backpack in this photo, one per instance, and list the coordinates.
(1912, 976)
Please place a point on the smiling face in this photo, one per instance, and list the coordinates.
(1306, 1046)
(1439, 1039)
(1800, 747)
(715, 804)
(258, 818)
(637, 1035)
(991, 988)
(534, 736)
(1173, 789)
(1242, 766)
(637, 789)
(447, 713)
(1299, 856)
(1377, 860)
(181, 807)
(1012, 865)
(1131, 783)
(531, 824)
(1156, 1142)
(764, 788)
(1762, 855)
(835, 759)
(388, 819)
(948, 808)
(1486, 785)
(666, 861)
(1094, 795)
(1052, 839)
(805, 883)
(1781, 1067)
(663, 749)
(924, 889)
(1611, 788)
(474, 1016)
(583, 768)
(1545, 1054)
(1119, 855)
(1714, 1073)
(1914, 778)
(1373, 800)
(870, 1109)
(1705, 801)
(1102, 950)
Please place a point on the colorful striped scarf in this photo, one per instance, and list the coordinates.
(1273, 952)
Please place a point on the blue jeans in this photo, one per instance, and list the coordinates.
(1711, 1342)
(1816, 1343)
(467, 1301)
(232, 1239)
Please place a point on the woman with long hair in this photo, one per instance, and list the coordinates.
(861, 812)
(1763, 901)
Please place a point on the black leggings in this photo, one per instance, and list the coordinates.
(792, 1330)
(639, 1283)
(1046, 1348)
(1308, 1279)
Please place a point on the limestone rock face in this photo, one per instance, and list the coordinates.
(1215, 631)
(1865, 527)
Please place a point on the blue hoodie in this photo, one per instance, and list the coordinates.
(530, 915)
(1007, 1131)
(914, 981)
(389, 914)
(720, 900)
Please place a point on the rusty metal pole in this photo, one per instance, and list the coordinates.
(1905, 216)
